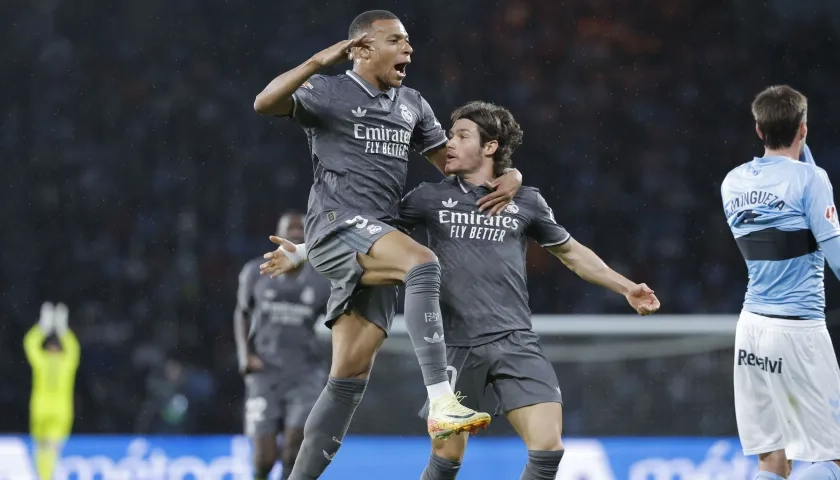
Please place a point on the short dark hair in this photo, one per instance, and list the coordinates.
(363, 22)
(778, 112)
(494, 123)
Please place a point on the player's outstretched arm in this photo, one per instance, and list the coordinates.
(589, 266)
(276, 98)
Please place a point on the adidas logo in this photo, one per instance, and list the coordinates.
(449, 203)
(359, 112)
(329, 456)
(436, 338)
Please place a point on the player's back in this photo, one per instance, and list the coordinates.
(770, 207)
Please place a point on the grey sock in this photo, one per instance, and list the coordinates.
(542, 465)
(423, 321)
(326, 426)
(440, 468)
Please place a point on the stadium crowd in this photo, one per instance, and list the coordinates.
(138, 179)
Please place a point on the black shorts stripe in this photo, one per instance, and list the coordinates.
(774, 244)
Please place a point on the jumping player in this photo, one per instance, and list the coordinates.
(781, 211)
(279, 354)
(360, 127)
(484, 294)
(53, 353)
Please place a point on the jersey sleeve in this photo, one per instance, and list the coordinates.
(412, 210)
(245, 291)
(819, 207)
(32, 345)
(72, 350)
(311, 101)
(543, 228)
(427, 134)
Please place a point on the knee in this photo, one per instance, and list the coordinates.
(452, 449)
(417, 256)
(358, 367)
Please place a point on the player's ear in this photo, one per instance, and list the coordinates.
(490, 147)
(803, 129)
(758, 131)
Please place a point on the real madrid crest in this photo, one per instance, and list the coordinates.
(406, 114)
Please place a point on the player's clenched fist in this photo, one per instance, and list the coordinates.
(642, 299)
(341, 51)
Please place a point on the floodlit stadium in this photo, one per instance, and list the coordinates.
(141, 188)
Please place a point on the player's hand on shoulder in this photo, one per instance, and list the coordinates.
(642, 299)
(503, 189)
(341, 51)
(253, 364)
(278, 262)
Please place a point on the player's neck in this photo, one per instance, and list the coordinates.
(370, 78)
(480, 176)
(789, 152)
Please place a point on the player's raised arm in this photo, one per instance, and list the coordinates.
(822, 217)
(276, 98)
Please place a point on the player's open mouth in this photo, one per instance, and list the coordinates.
(400, 68)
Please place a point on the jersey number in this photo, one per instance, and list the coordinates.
(358, 220)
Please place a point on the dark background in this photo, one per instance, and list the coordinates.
(136, 179)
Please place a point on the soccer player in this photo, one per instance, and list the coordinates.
(786, 378)
(53, 353)
(279, 354)
(484, 294)
(360, 127)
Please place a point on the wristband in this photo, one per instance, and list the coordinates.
(298, 256)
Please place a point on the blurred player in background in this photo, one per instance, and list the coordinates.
(361, 126)
(53, 352)
(484, 294)
(781, 211)
(279, 354)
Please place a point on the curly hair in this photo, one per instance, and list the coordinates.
(494, 123)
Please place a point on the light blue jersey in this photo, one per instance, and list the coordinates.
(781, 211)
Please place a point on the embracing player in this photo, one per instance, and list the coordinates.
(782, 215)
(484, 294)
(279, 354)
(360, 127)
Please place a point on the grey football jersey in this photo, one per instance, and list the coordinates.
(283, 313)
(484, 291)
(359, 138)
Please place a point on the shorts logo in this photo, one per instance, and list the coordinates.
(436, 338)
(374, 229)
(763, 363)
(331, 216)
(831, 216)
(432, 317)
(307, 85)
(512, 208)
(406, 114)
